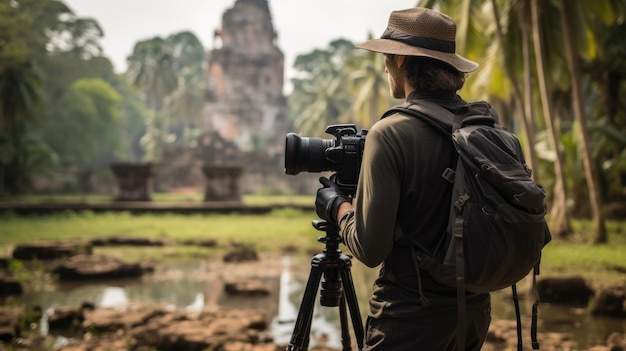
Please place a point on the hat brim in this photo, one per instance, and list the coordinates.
(388, 46)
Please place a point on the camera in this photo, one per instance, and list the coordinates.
(342, 155)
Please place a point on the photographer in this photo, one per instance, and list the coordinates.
(401, 195)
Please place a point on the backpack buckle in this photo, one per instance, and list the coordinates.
(449, 174)
(460, 202)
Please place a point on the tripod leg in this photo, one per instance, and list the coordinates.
(343, 319)
(355, 314)
(302, 329)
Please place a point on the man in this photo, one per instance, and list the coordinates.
(401, 195)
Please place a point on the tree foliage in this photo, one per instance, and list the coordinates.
(327, 83)
(167, 73)
(44, 49)
(567, 33)
(84, 133)
(497, 34)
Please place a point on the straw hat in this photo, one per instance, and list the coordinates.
(421, 32)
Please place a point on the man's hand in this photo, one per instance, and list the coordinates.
(328, 200)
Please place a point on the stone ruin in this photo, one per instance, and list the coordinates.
(214, 165)
(244, 99)
(134, 181)
(245, 114)
(222, 183)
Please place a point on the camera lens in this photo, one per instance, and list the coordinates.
(303, 154)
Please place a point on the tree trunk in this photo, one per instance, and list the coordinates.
(591, 173)
(559, 213)
(527, 121)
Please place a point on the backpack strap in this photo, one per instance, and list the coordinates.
(438, 117)
(533, 325)
(460, 281)
(518, 318)
(433, 114)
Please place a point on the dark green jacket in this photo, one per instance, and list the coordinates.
(401, 191)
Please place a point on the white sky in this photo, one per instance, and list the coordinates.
(302, 25)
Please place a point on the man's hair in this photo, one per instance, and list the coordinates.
(427, 74)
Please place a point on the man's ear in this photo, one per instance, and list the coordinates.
(400, 60)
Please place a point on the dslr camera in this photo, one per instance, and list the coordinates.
(342, 155)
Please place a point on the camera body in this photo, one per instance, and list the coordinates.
(343, 155)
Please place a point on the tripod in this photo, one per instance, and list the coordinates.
(335, 267)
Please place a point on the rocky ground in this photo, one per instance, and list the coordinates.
(144, 326)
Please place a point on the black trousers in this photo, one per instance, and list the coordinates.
(429, 330)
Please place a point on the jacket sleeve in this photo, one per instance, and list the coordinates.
(369, 232)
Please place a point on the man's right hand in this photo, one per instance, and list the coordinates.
(328, 200)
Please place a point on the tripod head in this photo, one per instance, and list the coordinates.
(332, 238)
(331, 291)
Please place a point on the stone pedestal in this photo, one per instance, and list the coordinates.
(134, 181)
(222, 183)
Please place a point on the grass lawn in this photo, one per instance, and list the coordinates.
(286, 228)
(252, 200)
(280, 230)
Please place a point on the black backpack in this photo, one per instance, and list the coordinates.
(496, 228)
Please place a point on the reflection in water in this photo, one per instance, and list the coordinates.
(290, 296)
(197, 304)
(113, 297)
(195, 284)
(282, 324)
(582, 327)
(178, 285)
(578, 323)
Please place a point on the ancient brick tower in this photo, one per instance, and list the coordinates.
(245, 102)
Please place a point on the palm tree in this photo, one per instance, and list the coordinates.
(559, 213)
(151, 70)
(188, 53)
(559, 78)
(607, 74)
(320, 97)
(186, 104)
(21, 92)
(187, 101)
(523, 13)
(591, 173)
(368, 82)
(510, 53)
(20, 95)
(481, 37)
(318, 103)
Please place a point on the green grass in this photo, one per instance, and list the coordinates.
(280, 230)
(248, 199)
(272, 232)
(600, 263)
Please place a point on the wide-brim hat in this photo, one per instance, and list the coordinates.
(419, 31)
